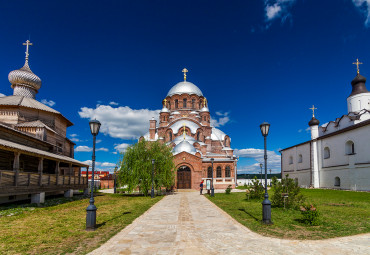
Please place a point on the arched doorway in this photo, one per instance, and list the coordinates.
(184, 177)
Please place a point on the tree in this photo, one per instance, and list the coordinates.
(289, 188)
(135, 168)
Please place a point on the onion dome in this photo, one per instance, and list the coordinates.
(184, 146)
(185, 87)
(204, 109)
(313, 122)
(164, 109)
(24, 81)
(358, 85)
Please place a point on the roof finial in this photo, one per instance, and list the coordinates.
(357, 63)
(204, 102)
(185, 71)
(165, 103)
(313, 111)
(27, 43)
(184, 132)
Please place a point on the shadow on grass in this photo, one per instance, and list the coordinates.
(105, 222)
(243, 210)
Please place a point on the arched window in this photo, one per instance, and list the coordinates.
(326, 152)
(218, 172)
(337, 181)
(209, 174)
(169, 105)
(204, 118)
(184, 103)
(170, 135)
(290, 160)
(176, 104)
(193, 103)
(227, 171)
(198, 136)
(300, 158)
(350, 148)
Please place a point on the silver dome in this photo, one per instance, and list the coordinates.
(184, 146)
(184, 87)
(180, 138)
(164, 109)
(204, 109)
(25, 77)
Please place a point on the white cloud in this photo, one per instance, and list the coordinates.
(273, 160)
(73, 135)
(75, 140)
(277, 9)
(100, 164)
(121, 147)
(50, 103)
(121, 122)
(98, 141)
(83, 148)
(113, 103)
(364, 8)
(2, 95)
(222, 119)
(107, 164)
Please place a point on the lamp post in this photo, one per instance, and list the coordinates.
(261, 172)
(115, 176)
(212, 188)
(91, 209)
(266, 204)
(152, 192)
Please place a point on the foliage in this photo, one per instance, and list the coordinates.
(342, 213)
(289, 187)
(135, 169)
(255, 190)
(310, 215)
(228, 189)
(274, 181)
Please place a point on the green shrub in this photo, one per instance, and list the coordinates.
(310, 215)
(289, 187)
(228, 189)
(256, 190)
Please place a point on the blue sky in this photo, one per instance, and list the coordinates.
(255, 61)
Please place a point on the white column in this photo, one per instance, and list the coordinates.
(315, 164)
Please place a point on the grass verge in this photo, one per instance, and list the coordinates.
(343, 213)
(58, 226)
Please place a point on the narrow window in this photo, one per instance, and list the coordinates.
(193, 103)
(176, 104)
(184, 102)
(218, 172)
(350, 148)
(337, 181)
(300, 158)
(198, 136)
(209, 175)
(169, 105)
(227, 171)
(326, 153)
(170, 134)
(290, 160)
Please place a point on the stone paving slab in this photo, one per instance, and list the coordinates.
(187, 223)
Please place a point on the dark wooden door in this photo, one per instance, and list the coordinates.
(184, 178)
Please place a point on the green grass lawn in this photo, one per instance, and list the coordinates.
(58, 227)
(343, 213)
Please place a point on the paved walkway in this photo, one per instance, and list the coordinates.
(187, 223)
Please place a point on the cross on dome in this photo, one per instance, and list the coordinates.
(27, 43)
(185, 71)
(165, 102)
(357, 63)
(313, 110)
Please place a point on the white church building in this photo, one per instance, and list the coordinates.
(338, 154)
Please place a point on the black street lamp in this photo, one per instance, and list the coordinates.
(212, 188)
(152, 193)
(261, 172)
(266, 204)
(115, 176)
(91, 209)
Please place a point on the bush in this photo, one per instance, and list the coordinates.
(256, 190)
(310, 215)
(228, 189)
(289, 187)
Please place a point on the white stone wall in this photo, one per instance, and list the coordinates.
(353, 170)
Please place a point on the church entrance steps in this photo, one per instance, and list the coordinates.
(188, 223)
(186, 190)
